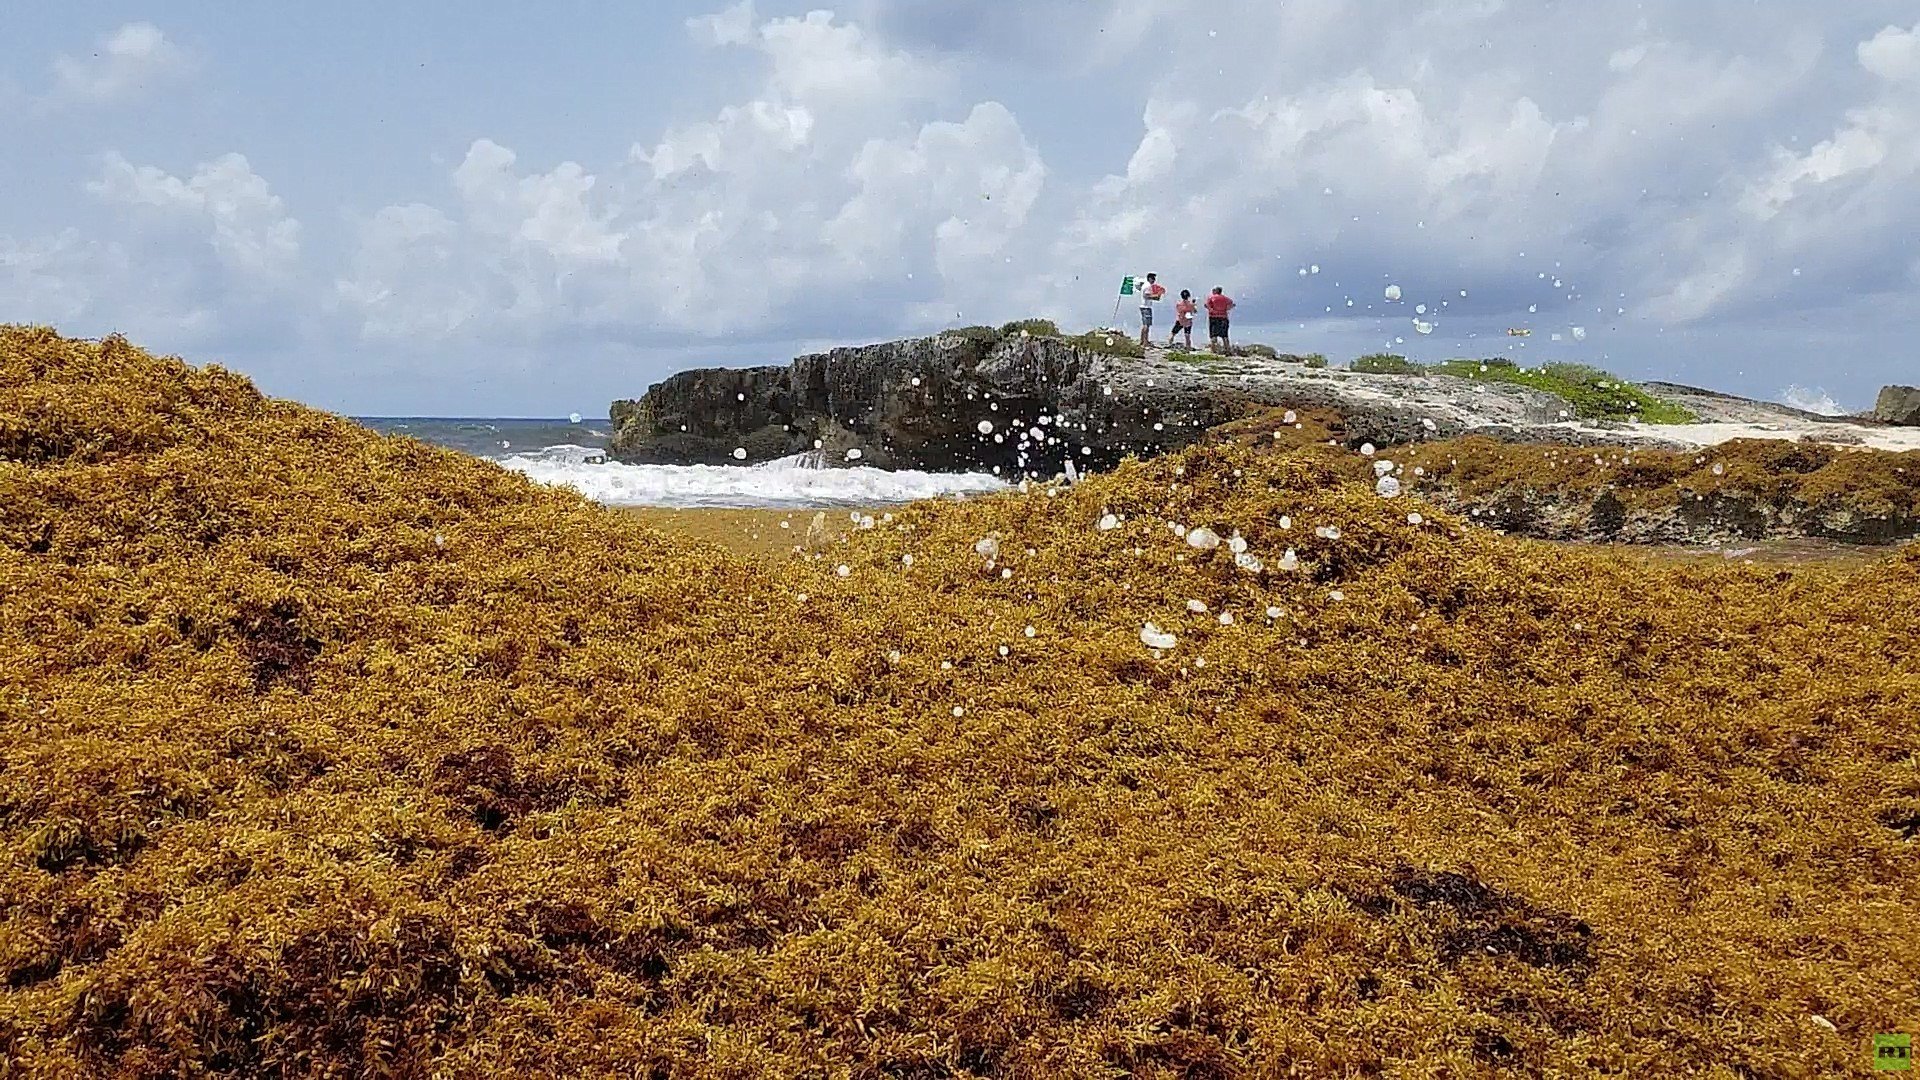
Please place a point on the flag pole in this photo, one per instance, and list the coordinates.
(1126, 290)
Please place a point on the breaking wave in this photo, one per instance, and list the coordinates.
(786, 483)
(1815, 400)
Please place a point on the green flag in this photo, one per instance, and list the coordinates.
(1126, 286)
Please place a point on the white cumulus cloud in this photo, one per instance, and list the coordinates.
(550, 212)
(183, 261)
(732, 26)
(840, 172)
(51, 280)
(133, 59)
(1893, 54)
(246, 224)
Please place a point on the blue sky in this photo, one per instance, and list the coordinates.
(477, 208)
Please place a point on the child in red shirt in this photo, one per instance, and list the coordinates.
(1217, 307)
(1183, 313)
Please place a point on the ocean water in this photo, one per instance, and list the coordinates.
(568, 454)
(494, 438)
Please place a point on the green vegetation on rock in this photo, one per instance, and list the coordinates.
(1594, 394)
(1107, 344)
(1386, 364)
(1035, 327)
(986, 337)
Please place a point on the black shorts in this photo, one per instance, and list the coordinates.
(1216, 327)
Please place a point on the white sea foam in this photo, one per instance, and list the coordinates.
(1815, 400)
(787, 482)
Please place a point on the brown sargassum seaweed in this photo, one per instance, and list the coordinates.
(323, 753)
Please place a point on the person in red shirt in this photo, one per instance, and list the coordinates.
(1183, 313)
(1150, 295)
(1217, 307)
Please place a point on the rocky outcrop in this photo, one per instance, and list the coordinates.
(1898, 405)
(701, 417)
(1027, 405)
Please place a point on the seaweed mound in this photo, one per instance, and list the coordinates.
(323, 753)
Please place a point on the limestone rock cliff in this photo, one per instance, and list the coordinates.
(1898, 405)
(1026, 405)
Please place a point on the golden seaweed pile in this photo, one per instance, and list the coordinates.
(323, 753)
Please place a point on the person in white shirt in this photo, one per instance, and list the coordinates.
(1150, 295)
